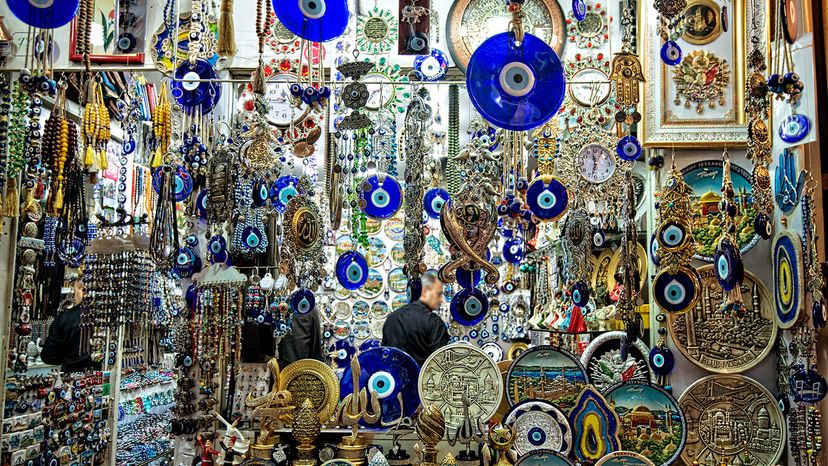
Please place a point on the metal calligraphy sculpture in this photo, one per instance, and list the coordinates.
(469, 223)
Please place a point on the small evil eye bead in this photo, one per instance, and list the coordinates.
(671, 53)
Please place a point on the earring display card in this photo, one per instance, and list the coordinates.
(414, 27)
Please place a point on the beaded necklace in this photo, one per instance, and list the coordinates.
(5, 132)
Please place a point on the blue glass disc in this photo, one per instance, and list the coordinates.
(434, 200)
(807, 386)
(580, 294)
(302, 301)
(380, 196)
(344, 351)
(662, 360)
(547, 198)
(432, 67)
(467, 278)
(282, 191)
(513, 250)
(192, 94)
(672, 235)
(727, 262)
(201, 204)
(515, 88)
(794, 128)
(628, 148)
(351, 270)
(579, 9)
(259, 193)
(469, 306)
(44, 14)
(679, 292)
(313, 20)
(671, 53)
(183, 182)
(388, 372)
(369, 344)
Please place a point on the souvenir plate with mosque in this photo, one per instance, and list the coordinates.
(624, 458)
(603, 363)
(705, 179)
(731, 419)
(544, 458)
(546, 373)
(652, 422)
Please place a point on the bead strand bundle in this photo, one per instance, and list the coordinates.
(161, 127)
(96, 131)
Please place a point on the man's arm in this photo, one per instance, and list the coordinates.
(439, 334)
(54, 349)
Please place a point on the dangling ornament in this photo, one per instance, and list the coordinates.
(727, 260)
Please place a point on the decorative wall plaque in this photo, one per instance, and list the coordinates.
(595, 426)
(539, 425)
(314, 380)
(624, 458)
(730, 419)
(544, 458)
(720, 343)
(546, 373)
(603, 363)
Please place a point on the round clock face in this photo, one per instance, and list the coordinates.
(590, 87)
(596, 163)
(282, 113)
(471, 22)
(381, 93)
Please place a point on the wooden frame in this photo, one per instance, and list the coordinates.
(98, 56)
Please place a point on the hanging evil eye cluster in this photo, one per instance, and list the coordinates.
(677, 286)
(315, 97)
(34, 83)
(193, 150)
(671, 26)
(786, 86)
(727, 260)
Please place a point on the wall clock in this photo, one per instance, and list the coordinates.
(470, 22)
(589, 165)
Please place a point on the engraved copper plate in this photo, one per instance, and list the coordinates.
(312, 379)
(456, 370)
(731, 418)
(470, 22)
(719, 342)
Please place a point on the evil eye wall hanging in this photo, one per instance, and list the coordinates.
(217, 250)
(788, 283)
(671, 53)
(313, 20)
(515, 87)
(432, 67)
(580, 293)
(628, 148)
(282, 191)
(794, 128)
(380, 196)
(44, 14)
(186, 262)
(469, 306)
(201, 204)
(352, 270)
(807, 385)
(677, 292)
(434, 200)
(672, 235)
(730, 271)
(193, 87)
(183, 182)
(302, 301)
(662, 360)
(547, 198)
(513, 250)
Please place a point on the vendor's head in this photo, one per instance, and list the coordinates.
(432, 294)
(74, 280)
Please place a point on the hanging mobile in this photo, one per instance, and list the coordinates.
(786, 84)
(546, 196)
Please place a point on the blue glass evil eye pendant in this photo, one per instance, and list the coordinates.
(469, 306)
(671, 53)
(432, 67)
(547, 198)
(282, 191)
(513, 250)
(193, 86)
(628, 148)
(380, 196)
(727, 262)
(794, 128)
(579, 9)
(44, 14)
(580, 293)
(251, 237)
(677, 292)
(183, 182)
(217, 250)
(434, 200)
(302, 301)
(351, 270)
(259, 193)
(313, 20)
(672, 235)
(662, 360)
(515, 87)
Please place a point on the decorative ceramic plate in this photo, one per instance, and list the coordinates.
(398, 254)
(546, 373)
(361, 309)
(398, 301)
(624, 458)
(646, 407)
(718, 343)
(602, 359)
(379, 310)
(459, 370)
(397, 281)
(731, 417)
(373, 286)
(344, 243)
(376, 252)
(539, 425)
(544, 458)
(389, 372)
(314, 380)
(395, 229)
(705, 179)
(788, 281)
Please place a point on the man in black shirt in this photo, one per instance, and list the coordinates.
(304, 340)
(415, 328)
(62, 346)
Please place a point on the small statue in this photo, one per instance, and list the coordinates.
(33, 352)
(208, 453)
(306, 427)
(234, 445)
(431, 427)
(272, 409)
(501, 439)
(468, 432)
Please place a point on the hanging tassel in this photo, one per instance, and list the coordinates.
(57, 199)
(156, 159)
(2, 203)
(30, 204)
(12, 200)
(89, 157)
(226, 45)
(104, 160)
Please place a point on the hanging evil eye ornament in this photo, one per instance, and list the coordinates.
(194, 86)
(183, 182)
(434, 200)
(252, 239)
(313, 20)
(201, 204)
(794, 128)
(547, 198)
(677, 292)
(762, 225)
(344, 351)
(380, 196)
(671, 53)
(513, 250)
(259, 193)
(432, 67)
(662, 360)
(515, 87)
(580, 293)
(217, 250)
(628, 148)
(414, 289)
(579, 9)
(72, 251)
(469, 306)
(672, 235)
(468, 278)
(727, 261)
(283, 190)
(302, 301)
(351, 270)
(598, 236)
(186, 263)
(44, 14)
(788, 282)
(807, 385)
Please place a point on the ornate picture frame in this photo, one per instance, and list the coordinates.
(676, 118)
(106, 17)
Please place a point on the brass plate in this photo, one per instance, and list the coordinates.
(729, 417)
(624, 458)
(643, 263)
(704, 22)
(719, 343)
(315, 380)
(470, 22)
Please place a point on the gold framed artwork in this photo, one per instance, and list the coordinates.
(700, 101)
